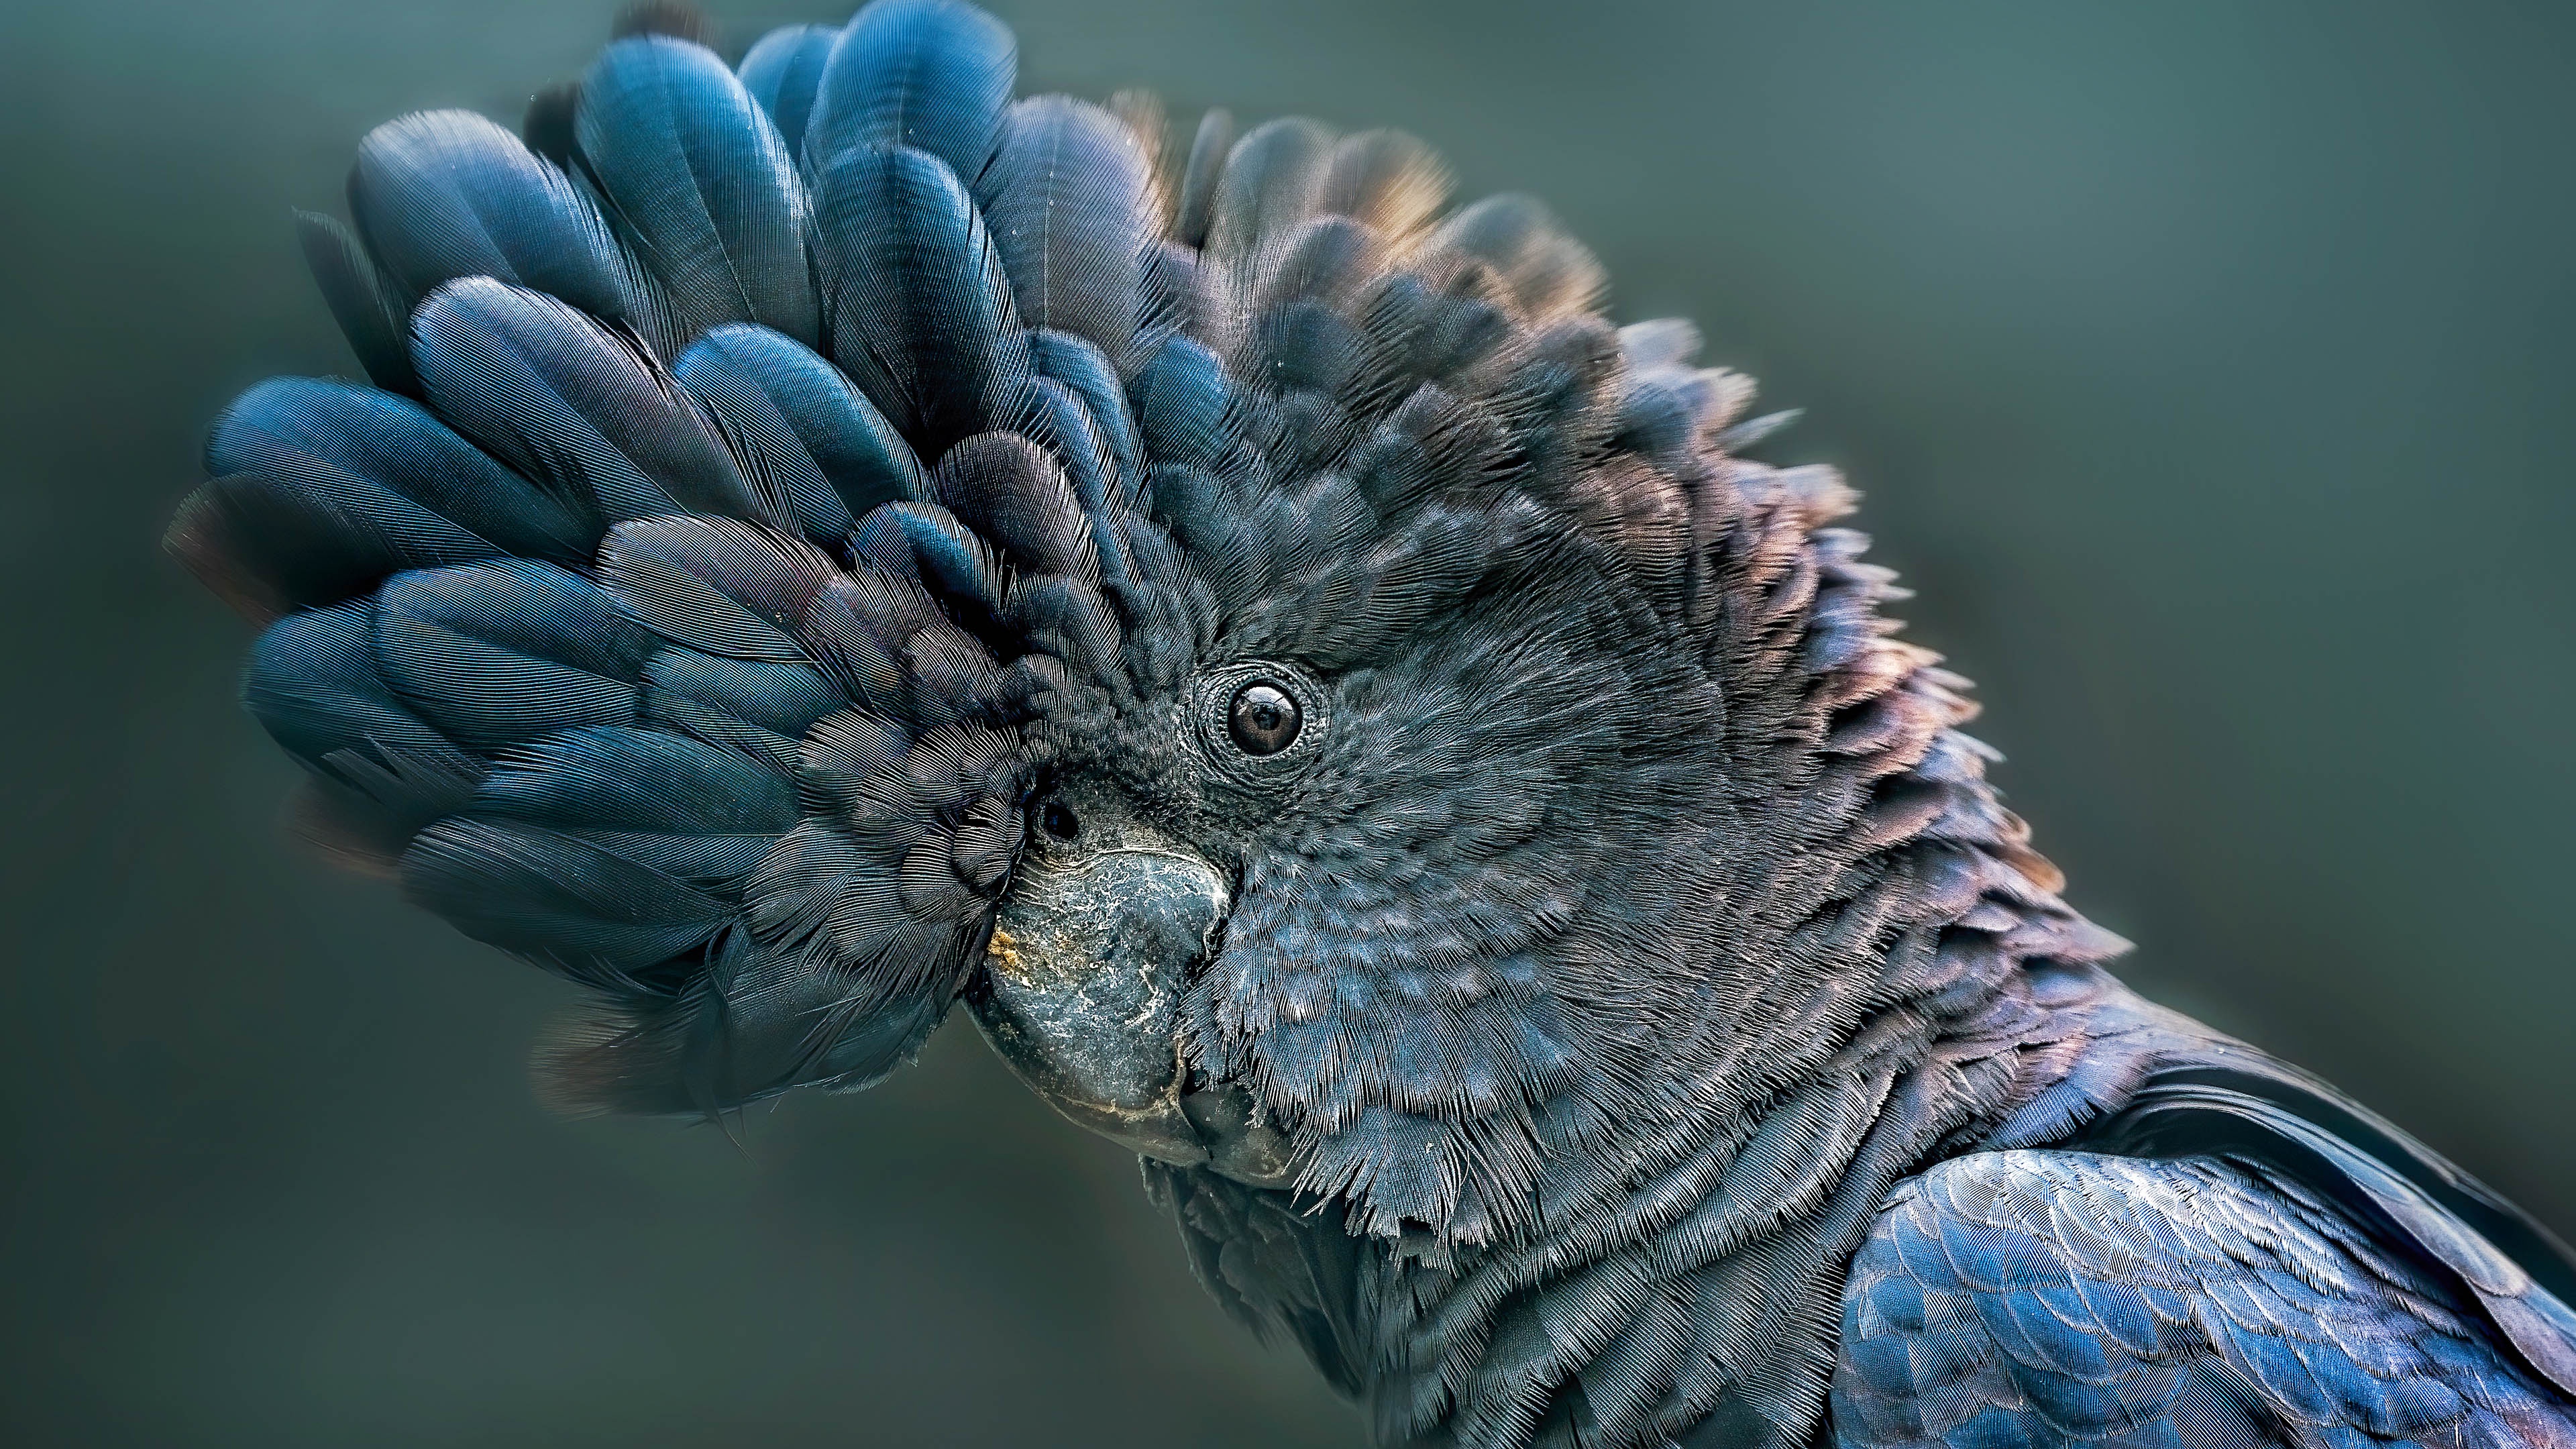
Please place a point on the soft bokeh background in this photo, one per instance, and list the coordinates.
(2207, 368)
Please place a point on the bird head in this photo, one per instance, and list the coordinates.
(834, 543)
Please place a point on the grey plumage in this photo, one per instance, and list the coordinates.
(1620, 1010)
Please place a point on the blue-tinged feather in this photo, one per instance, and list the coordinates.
(781, 72)
(380, 772)
(825, 447)
(683, 714)
(312, 682)
(1308, 346)
(581, 409)
(579, 907)
(934, 75)
(1273, 181)
(703, 179)
(1011, 492)
(1060, 419)
(1198, 509)
(686, 809)
(1187, 406)
(757, 1024)
(895, 895)
(1326, 261)
(446, 194)
(268, 544)
(925, 544)
(497, 653)
(780, 698)
(876, 1033)
(918, 307)
(1087, 370)
(1209, 147)
(360, 299)
(714, 585)
(292, 429)
(1068, 197)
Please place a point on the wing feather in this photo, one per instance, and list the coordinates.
(2039, 1297)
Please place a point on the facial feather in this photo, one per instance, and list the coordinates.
(1472, 828)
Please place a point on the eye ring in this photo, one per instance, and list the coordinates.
(1262, 719)
(1058, 820)
(1260, 722)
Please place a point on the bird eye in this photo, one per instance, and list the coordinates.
(1259, 722)
(1264, 719)
(1059, 820)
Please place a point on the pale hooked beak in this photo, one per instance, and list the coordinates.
(1082, 983)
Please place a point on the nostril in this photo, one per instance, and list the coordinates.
(1059, 820)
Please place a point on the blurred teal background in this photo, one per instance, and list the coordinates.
(2207, 368)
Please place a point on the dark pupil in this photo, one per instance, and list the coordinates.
(1264, 720)
(1059, 821)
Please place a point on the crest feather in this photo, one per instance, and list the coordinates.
(836, 446)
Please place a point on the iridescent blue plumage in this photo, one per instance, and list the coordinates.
(835, 542)
(702, 180)
(928, 77)
(447, 194)
(797, 419)
(573, 405)
(783, 71)
(2055, 1297)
